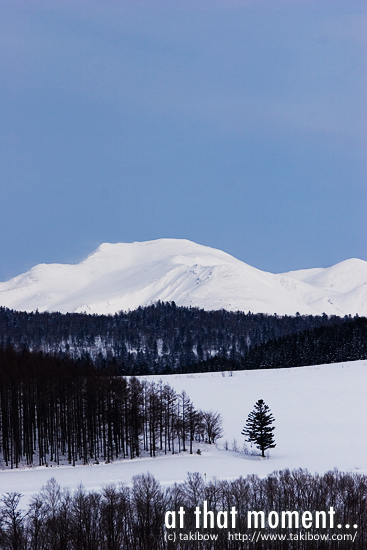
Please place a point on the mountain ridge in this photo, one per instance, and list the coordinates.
(124, 276)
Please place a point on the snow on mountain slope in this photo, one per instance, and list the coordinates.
(126, 275)
(345, 285)
(320, 423)
(342, 277)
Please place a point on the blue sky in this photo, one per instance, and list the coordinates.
(236, 124)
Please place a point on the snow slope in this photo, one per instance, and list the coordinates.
(127, 275)
(320, 417)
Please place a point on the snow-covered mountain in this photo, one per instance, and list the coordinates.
(127, 275)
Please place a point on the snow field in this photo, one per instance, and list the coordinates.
(320, 412)
(320, 417)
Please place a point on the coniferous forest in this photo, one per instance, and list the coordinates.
(63, 385)
(164, 338)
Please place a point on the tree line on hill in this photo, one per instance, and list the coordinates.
(53, 408)
(321, 345)
(134, 518)
(163, 338)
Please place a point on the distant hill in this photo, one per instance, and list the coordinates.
(125, 276)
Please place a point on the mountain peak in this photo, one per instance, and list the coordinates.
(121, 276)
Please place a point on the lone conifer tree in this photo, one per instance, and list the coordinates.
(258, 429)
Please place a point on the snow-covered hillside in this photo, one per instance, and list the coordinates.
(320, 417)
(124, 276)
